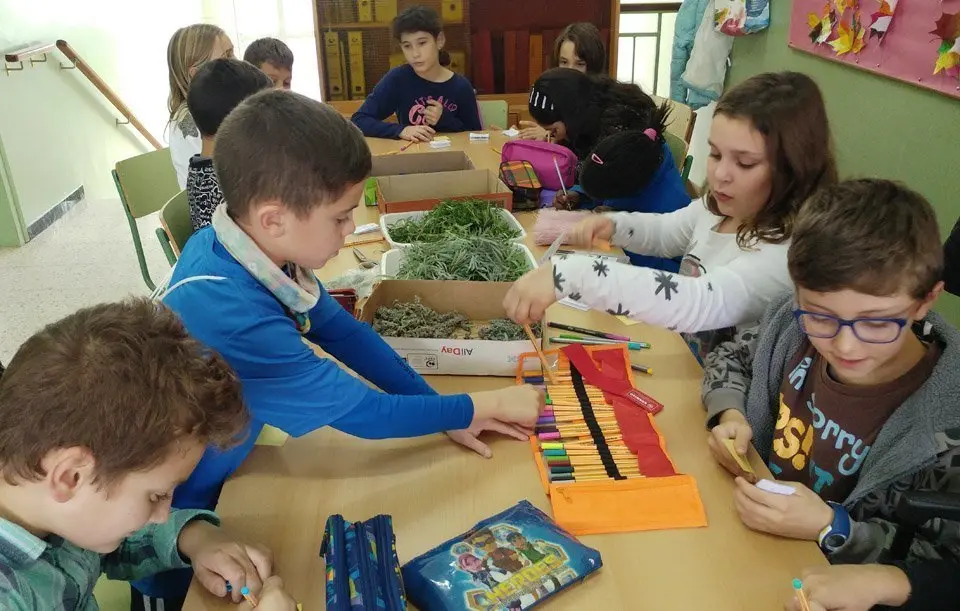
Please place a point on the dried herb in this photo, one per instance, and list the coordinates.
(476, 258)
(413, 319)
(457, 217)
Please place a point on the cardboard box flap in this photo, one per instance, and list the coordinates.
(475, 300)
(419, 163)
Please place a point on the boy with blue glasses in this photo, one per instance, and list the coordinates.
(849, 388)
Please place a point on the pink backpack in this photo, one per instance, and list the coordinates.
(541, 156)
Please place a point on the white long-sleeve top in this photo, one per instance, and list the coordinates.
(720, 285)
(185, 142)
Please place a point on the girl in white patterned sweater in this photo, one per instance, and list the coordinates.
(769, 151)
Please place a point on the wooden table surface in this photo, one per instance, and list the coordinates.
(281, 496)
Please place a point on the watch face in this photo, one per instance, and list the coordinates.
(834, 541)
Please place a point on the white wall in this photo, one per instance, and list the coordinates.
(58, 132)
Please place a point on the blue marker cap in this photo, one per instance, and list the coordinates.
(245, 591)
(797, 584)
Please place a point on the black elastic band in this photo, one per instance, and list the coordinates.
(591, 418)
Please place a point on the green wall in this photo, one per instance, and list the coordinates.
(881, 127)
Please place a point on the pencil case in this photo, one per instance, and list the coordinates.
(346, 298)
(599, 454)
(522, 179)
(363, 571)
(516, 559)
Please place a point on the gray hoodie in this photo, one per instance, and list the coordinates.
(918, 448)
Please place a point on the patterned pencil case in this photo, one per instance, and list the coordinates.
(516, 559)
(363, 571)
(524, 182)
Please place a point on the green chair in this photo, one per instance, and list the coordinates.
(175, 226)
(678, 148)
(145, 183)
(493, 113)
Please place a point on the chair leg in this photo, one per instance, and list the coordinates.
(132, 222)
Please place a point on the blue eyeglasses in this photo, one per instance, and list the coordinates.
(868, 330)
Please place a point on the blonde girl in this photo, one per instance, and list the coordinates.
(189, 47)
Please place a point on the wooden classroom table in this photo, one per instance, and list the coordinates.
(434, 489)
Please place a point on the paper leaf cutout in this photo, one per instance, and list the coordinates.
(948, 27)
(843, 43)
(881, 20)
(821, 27)
(842, 6)
(859, 32)
(948, 59)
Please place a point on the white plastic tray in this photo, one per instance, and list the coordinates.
(388, 220)
(390, 261)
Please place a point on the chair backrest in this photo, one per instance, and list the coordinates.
(146, 182)
(493, 113)
(678, 148)
(175, 218)
(682, 119)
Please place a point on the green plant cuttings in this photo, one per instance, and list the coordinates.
(456, 258)
(455, 217)
(413, 319)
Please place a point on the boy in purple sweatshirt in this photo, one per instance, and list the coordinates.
(426, 96)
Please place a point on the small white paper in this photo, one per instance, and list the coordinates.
(772, 486)
(478, 137)
(511, 133)
(366, 228)
(576, 305)
(439, 144)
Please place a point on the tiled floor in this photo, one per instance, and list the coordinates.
(85, 258)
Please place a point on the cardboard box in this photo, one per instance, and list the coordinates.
(414, 163)
(479, 301)
(358, 86)
(424, 191)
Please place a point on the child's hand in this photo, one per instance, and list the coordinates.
(417, 133)
(511, 411)
(853, 587)
(531, 295)
(271, 598)
(218, 558)
(589, 230)
(570, 201)
(531, 131)
(433, 112)
(801, 515)
(733, 425)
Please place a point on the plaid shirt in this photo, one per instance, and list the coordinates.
(55, 575)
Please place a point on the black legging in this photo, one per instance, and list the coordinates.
(141, 602)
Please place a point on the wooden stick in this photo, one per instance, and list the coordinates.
(540, 355)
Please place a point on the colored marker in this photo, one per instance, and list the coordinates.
(642, 369)
(801, 597)
(602, 340)
(620, 338)
(594, 342)
(248, 595)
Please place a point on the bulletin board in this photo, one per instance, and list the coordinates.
(915, 41)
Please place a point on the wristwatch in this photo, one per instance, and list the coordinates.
(836, 533)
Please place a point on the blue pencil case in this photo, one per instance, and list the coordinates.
(513, 560)
(363, 571)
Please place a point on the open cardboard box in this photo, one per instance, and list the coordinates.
(480, 301)
(414, 163)
(410, 192)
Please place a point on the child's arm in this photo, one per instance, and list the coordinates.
(662, 235)
(467, 117)
(727, 371)
(378, 106)
(726, 296)
(153, 549)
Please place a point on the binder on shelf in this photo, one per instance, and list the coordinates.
(397, 59)
(364, 10)
(523, 60)
(347, 11)
(510, 62)
(536, 58)
(334, 68)
(384, 10)
(483, 62)
(358, 86)
(451, 11)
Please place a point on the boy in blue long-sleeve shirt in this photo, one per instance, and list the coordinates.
(426, 96)
(245, 288)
